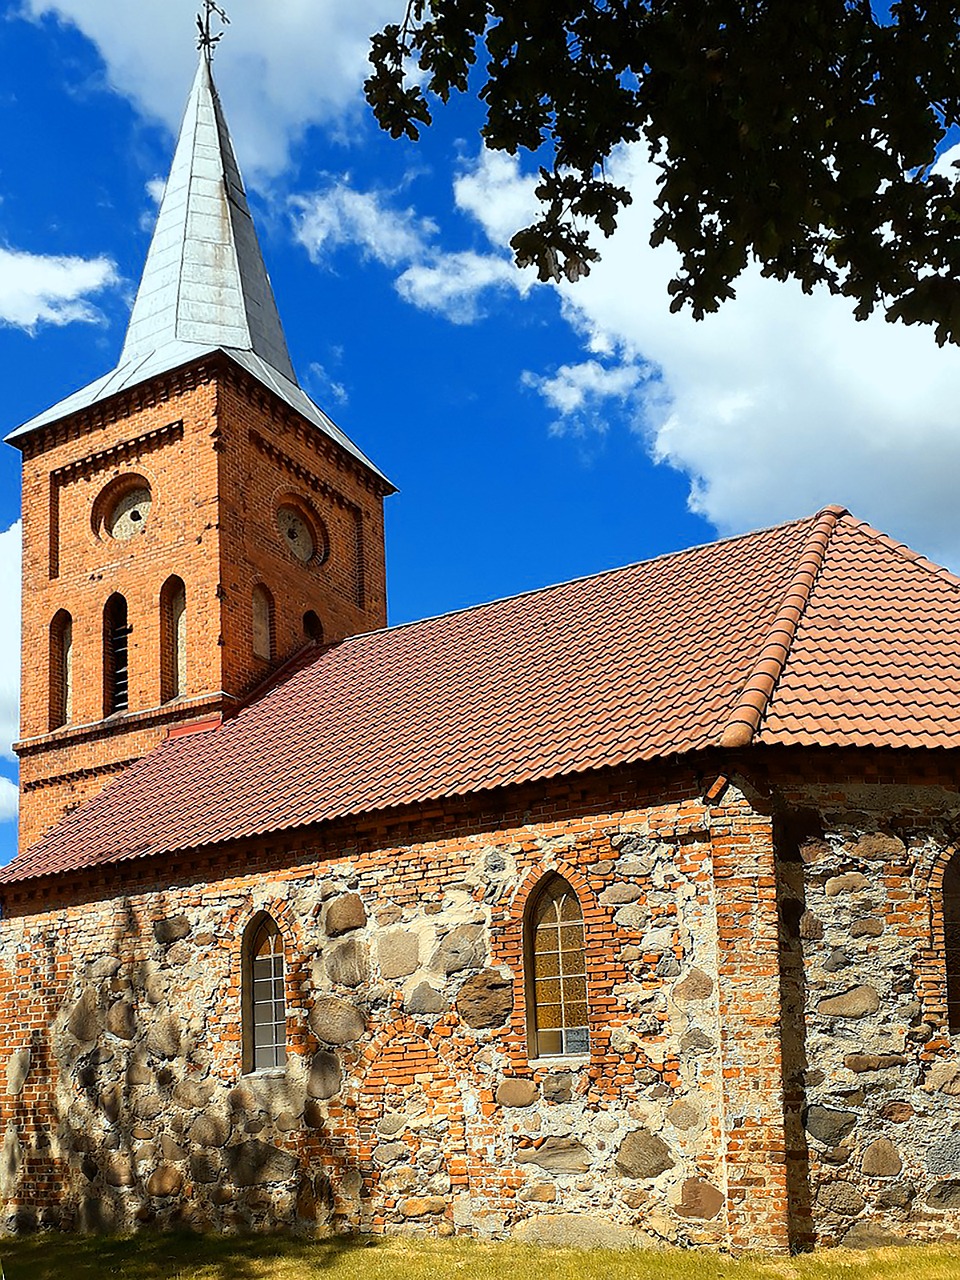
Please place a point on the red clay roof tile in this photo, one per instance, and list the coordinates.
(818, 632)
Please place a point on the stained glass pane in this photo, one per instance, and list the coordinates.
(575, 991)
(576, 1040)
(546, 964)
(546, 939)
(548, 991)
(546, 912)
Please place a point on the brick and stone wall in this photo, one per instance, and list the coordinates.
(769, 1061)
(409, 1101)
(873, 1075)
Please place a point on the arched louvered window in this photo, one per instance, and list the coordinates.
(116, 652)
(555, 968)
(951, 938)
(61, 669)
(264, 1005)
(263, 645)
(173, 640)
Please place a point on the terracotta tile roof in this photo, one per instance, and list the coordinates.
(876, 657)
(821, 631)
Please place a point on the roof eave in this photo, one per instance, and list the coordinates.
(270, 379)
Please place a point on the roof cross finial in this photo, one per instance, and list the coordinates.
(208, 42)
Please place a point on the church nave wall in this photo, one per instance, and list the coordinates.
(408, 1100)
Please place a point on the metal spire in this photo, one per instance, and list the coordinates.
(205, 280)
(204, 287)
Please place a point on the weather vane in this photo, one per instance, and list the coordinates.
(207, 41)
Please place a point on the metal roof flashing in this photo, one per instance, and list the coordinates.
(168, 360)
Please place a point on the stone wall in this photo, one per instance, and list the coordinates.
(408, 1102)
(873, 1076)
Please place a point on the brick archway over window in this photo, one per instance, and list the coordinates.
(939, 962)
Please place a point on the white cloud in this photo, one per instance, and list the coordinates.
(39, 289)
(948, 162)
(774, 406)
(580, 393)
(9, 646)
(279, 67)
(9, 800)
(450, 284)
(341, 215)
(325, 385)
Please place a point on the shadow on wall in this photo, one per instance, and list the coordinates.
(117, 1119)
(791, 833)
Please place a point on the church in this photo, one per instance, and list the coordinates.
(622, 911)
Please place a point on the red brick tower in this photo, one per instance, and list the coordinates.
(191, 519)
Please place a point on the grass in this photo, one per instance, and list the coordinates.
(175, 1257)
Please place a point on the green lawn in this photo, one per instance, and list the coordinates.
(171, 1257)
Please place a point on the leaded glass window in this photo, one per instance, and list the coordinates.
(556, 972)
(267, 1015)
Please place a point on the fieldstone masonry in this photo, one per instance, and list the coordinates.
(768, 1063)
(873, 1075)
(408, 1101)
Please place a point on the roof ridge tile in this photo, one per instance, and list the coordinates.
(756, 693)
(613, 571)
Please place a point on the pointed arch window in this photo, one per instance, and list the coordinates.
(555, 969)
(951, 939)
(263, 627)
(116, 648)
(61, 669)
(173, 639)
(264, 1002)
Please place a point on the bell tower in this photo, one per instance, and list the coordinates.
(192, 519)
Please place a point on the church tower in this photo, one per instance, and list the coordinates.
(192, 519)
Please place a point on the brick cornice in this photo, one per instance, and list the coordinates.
(72, 735)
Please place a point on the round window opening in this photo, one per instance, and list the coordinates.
(299, 534)
(123, 509)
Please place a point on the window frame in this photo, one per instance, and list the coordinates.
(549, 885)
(115, 703)
(262, 921)
(950, 918)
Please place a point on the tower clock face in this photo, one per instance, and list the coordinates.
(128, 515)
(296, 533)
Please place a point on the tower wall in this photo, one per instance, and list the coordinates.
(268, 457)
(219, 455)
(165, 435)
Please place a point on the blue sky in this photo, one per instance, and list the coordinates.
(536, 433)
